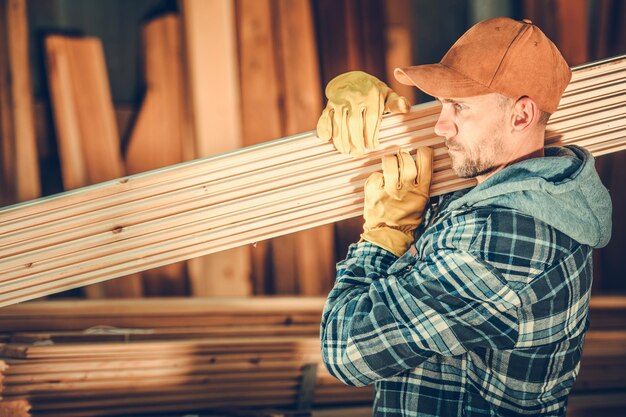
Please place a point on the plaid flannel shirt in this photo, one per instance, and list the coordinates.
(484, 316)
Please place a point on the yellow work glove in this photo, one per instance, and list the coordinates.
(356, 103)
(396, 198)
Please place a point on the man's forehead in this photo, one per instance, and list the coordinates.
(470, 99)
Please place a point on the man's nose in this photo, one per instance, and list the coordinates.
(445, 126)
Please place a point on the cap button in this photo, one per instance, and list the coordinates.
(527, 21)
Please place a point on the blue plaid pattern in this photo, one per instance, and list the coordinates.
(485, 315)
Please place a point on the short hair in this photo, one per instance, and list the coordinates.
(543, 115)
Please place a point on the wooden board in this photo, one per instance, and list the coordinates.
(311, 252)
(157, 138)
(19, 176)
(7, 168)
(26, 161)
(351, 37)
(89, 144)
(260, 99)
(399, 51)
(158, 313)
(281, 83)
(210, 38)
(573, 26)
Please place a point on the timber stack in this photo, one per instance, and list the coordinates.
(97, 358)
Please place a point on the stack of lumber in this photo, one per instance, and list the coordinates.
(212, 204)
(142, 356)
(178, 355)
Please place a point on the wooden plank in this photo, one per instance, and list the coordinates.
(573, 26)
(210, 37)
(156, 140)
(350, 39)
(26, 160)
(159, 348)
(7, 168)
(303, 262)
(232, 199)
(73, 165)
(34, 367)
(173, 306)
(260, 99)
(20, 173)
(104, 334)
(399, 52)
(86, 127)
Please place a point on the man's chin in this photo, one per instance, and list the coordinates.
(470, 172)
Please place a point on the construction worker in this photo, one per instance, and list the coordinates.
(476, 305)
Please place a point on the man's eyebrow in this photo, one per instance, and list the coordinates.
(448, 100)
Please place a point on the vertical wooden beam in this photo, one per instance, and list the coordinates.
(157, 139)
(212, 77)
(573, 30)
(543, 14)
(73, 167)
(261, 98)
(311, 251)
(87, 133)
(7, 166)
(350, 37)
(349, 34)
(20, 161)
(281, 95)
(610, 40)
(399, 48)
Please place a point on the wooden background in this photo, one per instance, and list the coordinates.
(255, 73)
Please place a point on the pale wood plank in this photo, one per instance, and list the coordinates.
(20, 172)
(7, 168)
(210, 38)
(73, 166)
(304, 261)
(26, 160)
(86, 127)
(572, 19)
(157, 139)
(260, 99)
(399, 51)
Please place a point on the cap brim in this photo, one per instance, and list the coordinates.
(440, 81)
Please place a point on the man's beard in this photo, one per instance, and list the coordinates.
(471, 166)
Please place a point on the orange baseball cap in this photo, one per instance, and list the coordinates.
(498, 55)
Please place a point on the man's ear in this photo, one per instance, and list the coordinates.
(525, 115)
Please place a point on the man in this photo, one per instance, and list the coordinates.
(485, 313)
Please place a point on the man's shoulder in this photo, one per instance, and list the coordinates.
(491, 228)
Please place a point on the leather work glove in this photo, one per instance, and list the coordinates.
(396, 198)
(356, 103)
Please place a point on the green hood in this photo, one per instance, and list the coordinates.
(561, 189)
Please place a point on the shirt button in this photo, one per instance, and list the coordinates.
(409, 268)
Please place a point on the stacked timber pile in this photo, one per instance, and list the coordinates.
(94, 358)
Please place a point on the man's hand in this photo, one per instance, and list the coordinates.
(356, 103)
(396, 198)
